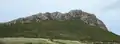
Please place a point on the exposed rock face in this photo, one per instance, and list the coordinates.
(71, 15)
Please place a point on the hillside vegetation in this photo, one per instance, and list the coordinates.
(53, 29)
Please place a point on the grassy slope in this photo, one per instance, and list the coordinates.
(37, 41)
(72, 29)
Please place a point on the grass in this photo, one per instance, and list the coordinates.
(52, 29)
(42, 41)
(37, 41)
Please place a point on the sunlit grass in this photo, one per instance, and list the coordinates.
(36, 41)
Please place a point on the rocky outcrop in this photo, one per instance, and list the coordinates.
(71, 15)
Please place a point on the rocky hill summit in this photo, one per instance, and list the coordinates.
(71, 15)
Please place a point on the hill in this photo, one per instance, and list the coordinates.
(74, 25)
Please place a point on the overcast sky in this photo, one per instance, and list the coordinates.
(106, 10)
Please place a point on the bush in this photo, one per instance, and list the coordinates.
(28, 43)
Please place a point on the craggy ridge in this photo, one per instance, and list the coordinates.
(71, 15)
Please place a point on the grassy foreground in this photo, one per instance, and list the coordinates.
(46, 41)
(36, 41)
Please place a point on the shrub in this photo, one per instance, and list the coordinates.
(28, 43)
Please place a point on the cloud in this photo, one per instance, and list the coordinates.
(115, 5)
(111, 16)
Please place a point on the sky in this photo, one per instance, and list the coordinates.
(106, 10)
